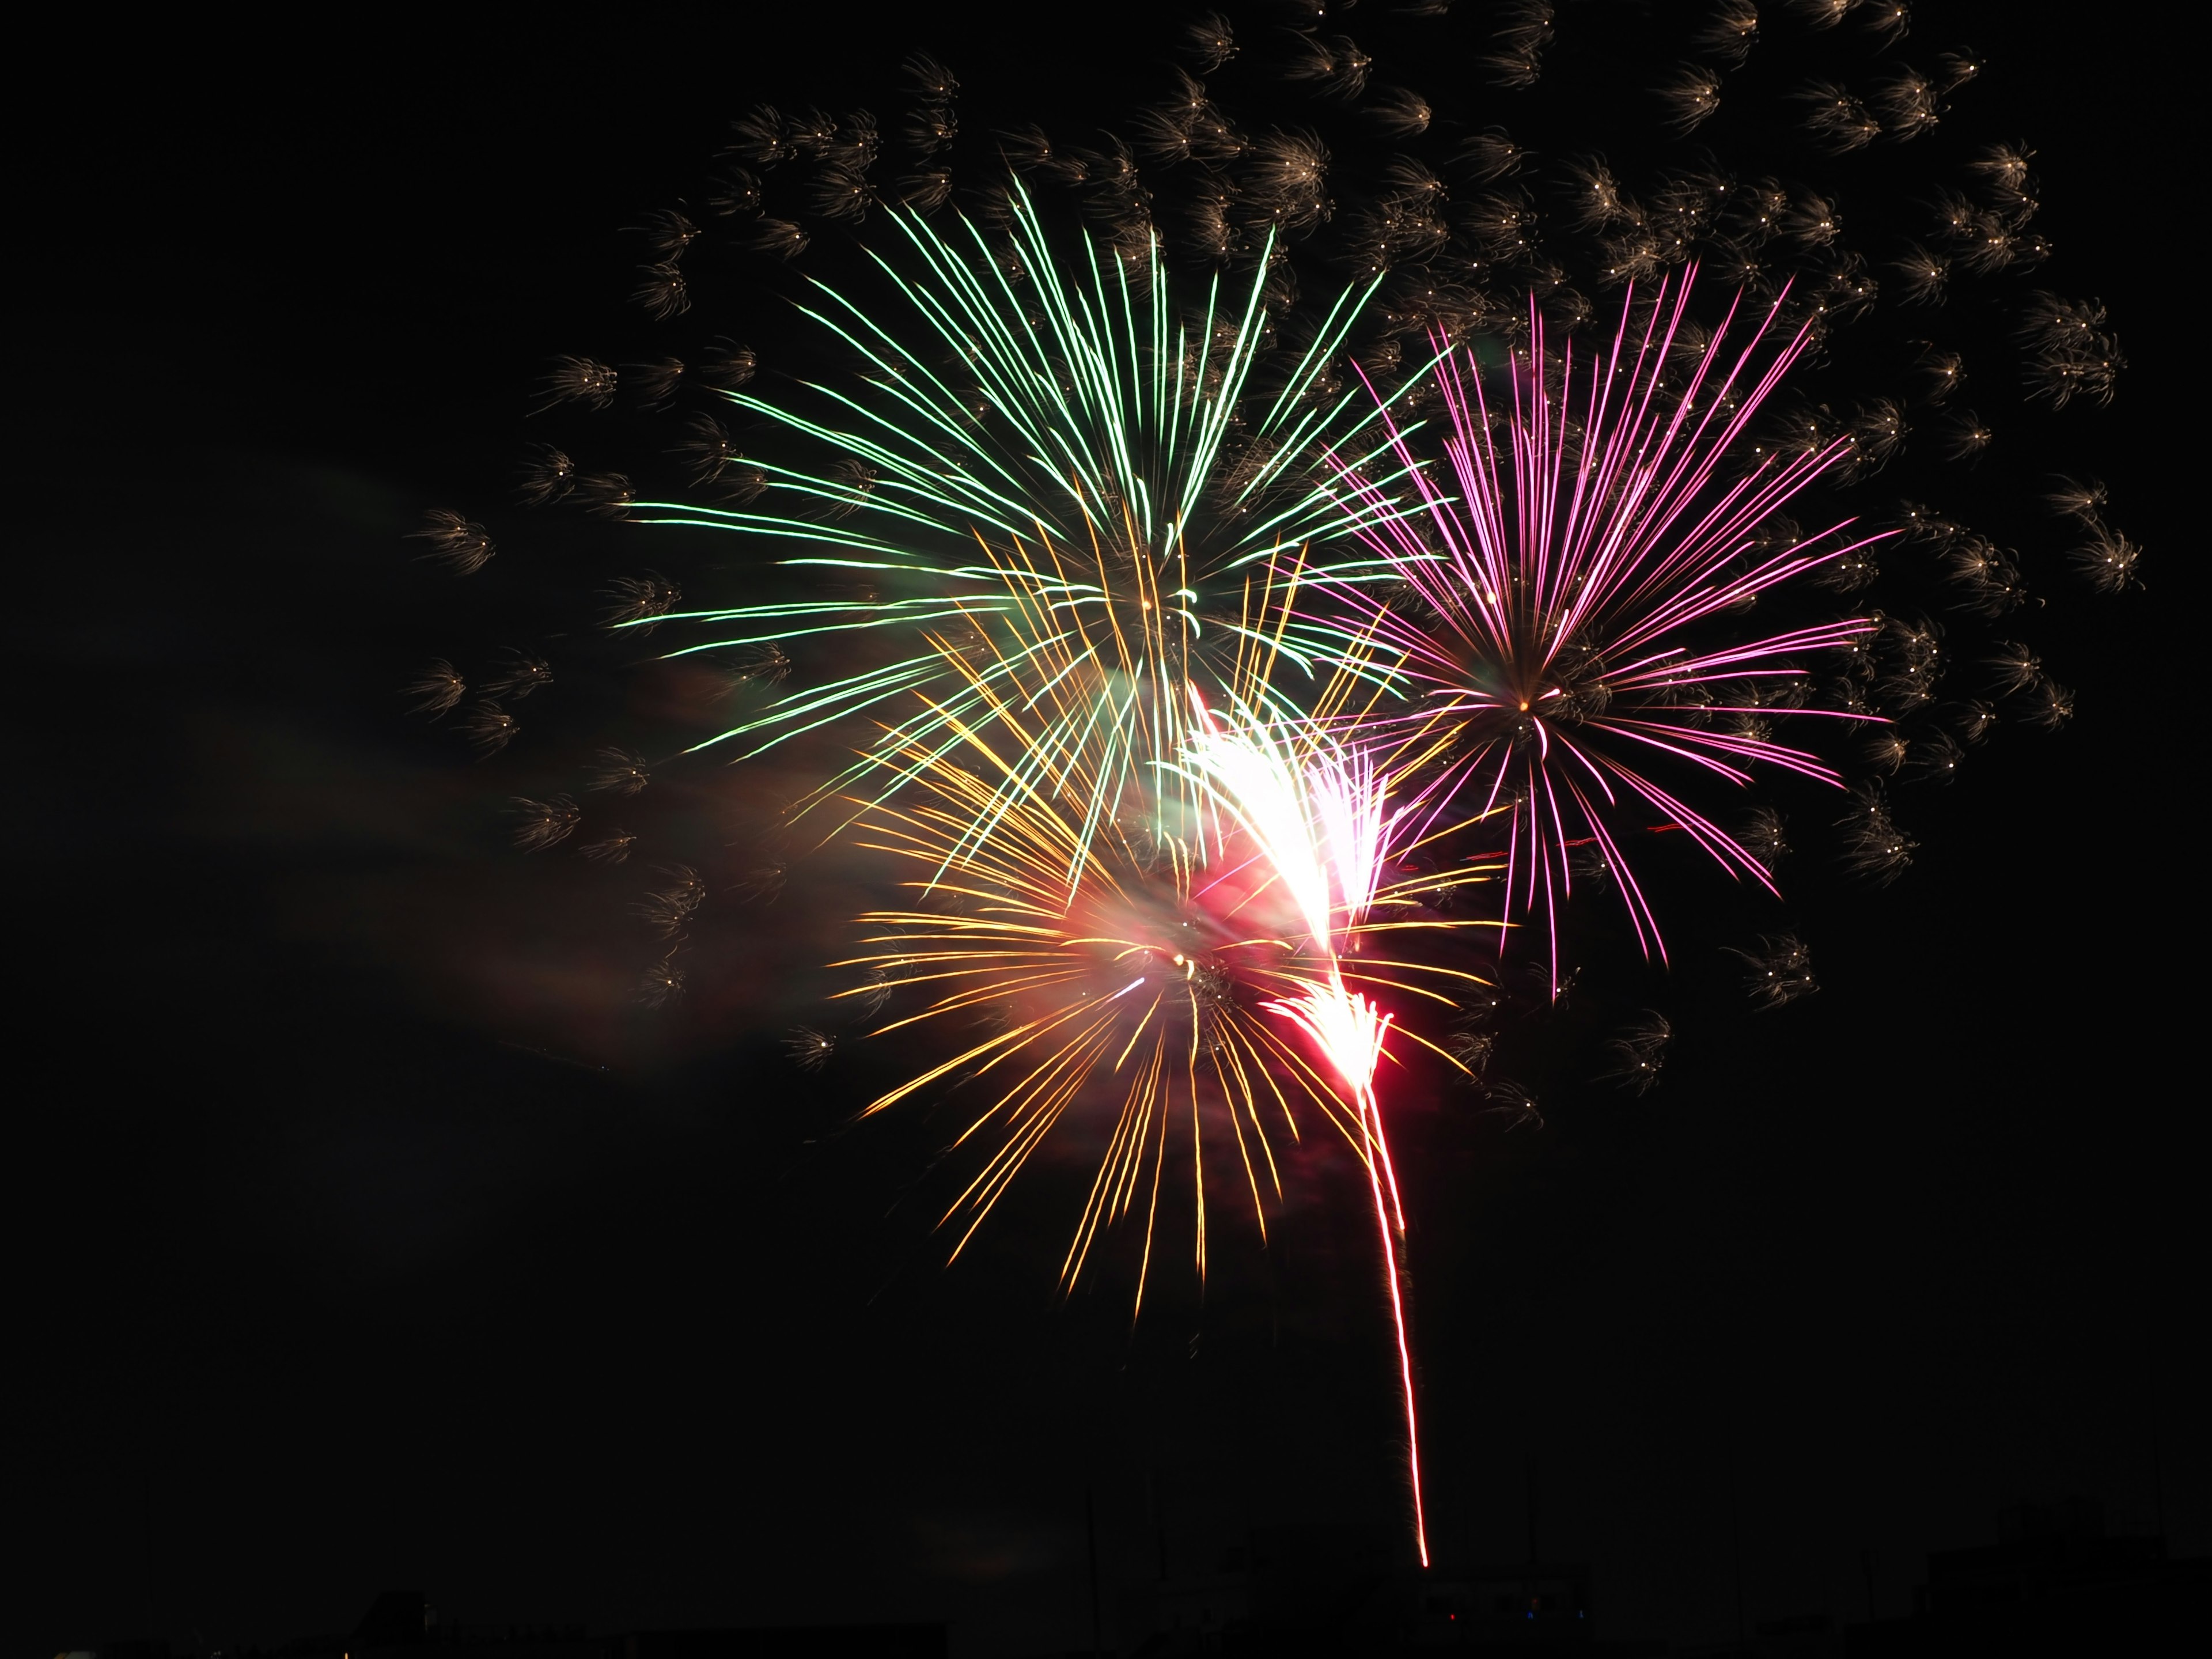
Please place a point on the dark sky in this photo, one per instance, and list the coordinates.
(365, 1239)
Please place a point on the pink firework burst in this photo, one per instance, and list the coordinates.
(1579, 576)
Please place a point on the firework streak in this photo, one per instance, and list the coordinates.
(1323, 829)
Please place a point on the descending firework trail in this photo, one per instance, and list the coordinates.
(1568, 588)
(1087, 473)
(1347, 1027)
(1323, 827)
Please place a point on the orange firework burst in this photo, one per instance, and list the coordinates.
(1130, 939)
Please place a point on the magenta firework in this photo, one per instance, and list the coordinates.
(1575, 578)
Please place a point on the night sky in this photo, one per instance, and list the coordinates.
(367, 1236)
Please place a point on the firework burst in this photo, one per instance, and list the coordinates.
(1155, 649)
(1042, 451)
(1564, 589)
(1145, 940)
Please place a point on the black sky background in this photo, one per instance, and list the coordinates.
(336, 1269)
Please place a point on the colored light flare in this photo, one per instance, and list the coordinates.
(1324, 826)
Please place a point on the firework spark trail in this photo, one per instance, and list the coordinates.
(1569, 637)
(1320, 826)
(1350, 1031)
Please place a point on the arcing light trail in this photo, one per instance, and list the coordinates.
(1323, 825)
(1347, 1027)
